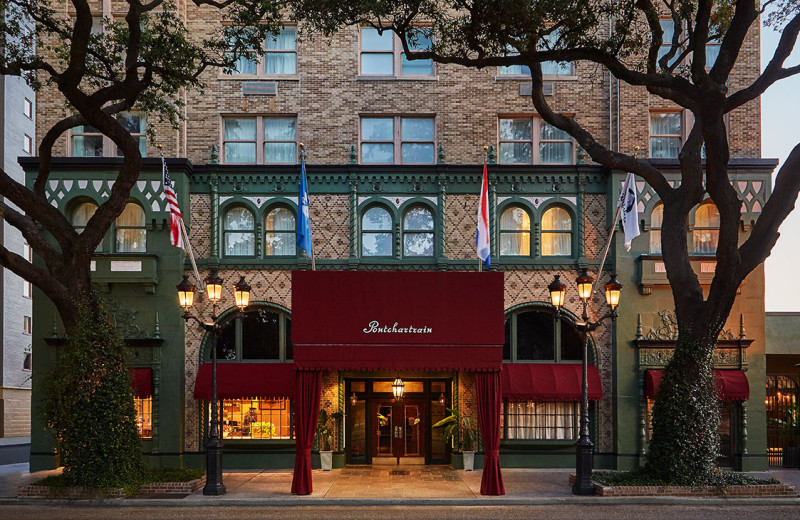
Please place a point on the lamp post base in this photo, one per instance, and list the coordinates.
(583, 469)
(214, 485)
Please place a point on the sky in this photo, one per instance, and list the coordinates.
(780, 132)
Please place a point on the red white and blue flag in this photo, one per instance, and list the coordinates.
(483, 240)
(175, 236)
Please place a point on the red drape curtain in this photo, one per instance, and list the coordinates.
(487, 391)
(308, 384)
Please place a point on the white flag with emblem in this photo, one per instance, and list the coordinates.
(630, 213)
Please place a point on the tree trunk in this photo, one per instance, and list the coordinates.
(684, 445)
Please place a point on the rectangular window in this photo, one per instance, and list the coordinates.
(27, 325)
(259, 140)
(531, 420)
(665, 135)
(27, 144)
(257, 419)
(519, 137)
(27, 108)
(549, 68)
(27, 289)
(87, 141)
(712, 51)
(27, 361)
(144, 416)
(398, 140)
(280, 56)
(381, 54)
(668, 27)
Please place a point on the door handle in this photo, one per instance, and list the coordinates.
(398, 432)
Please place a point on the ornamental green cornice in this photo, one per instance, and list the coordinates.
(390, 264)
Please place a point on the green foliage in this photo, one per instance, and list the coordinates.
(56, 483)
(89, 406)
(685, 446)
(459, 430)
(324, 431)
(643, 477)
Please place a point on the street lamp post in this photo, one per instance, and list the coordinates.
(583, 453)
(241, 293)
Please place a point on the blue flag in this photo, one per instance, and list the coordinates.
(303, 222)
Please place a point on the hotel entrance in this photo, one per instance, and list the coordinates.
(382, 430)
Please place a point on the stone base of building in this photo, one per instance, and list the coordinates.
(15, 412)
(744, 491)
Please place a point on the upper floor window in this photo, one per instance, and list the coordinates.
(256, 334)
(519, 137)
(668, 28)
(556, 232)
(27, 144)
(665, 135)
(549, 68)
(656, 220)
(418, 232)
(280, 56)
(87, 141)
(535, 335)
(239, 233)
(251, 140)
(376, 232)
(515, 232)
(382, 54)
(712, 51)
(27, 108)
(131, 235)
(705, 235)
(81, 215)
(385, 139)
(281, 232)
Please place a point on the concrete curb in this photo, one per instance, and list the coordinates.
(195, 502)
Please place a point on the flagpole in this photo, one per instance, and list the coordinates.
(191, 253)
(302, 169)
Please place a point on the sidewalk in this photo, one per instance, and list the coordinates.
(396, 485)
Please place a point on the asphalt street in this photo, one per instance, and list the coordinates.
(556, 512)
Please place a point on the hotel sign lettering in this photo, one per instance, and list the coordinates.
(375, 327)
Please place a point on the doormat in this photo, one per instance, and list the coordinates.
(399, 472)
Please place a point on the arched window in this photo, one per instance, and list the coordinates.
(376, 232)
(535, 335)
(705, 235)
(239, 232)
(556, 232)
(262, 334)
(80, 217)
(280, 232)
(130, 231)
(656, 220)
(418, 232)
(515, 232)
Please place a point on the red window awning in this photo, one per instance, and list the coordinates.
(243, 380)
(141, 382)
(397, 320)
(548, 382)
(732, 385)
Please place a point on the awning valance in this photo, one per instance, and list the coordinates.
(141, 382)
(548, 382)
(397, 320)
(732, 385)
(243, 380)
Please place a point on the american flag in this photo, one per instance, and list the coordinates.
(175, 236)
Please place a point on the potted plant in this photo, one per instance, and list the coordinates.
(325, 437)
(462, 435)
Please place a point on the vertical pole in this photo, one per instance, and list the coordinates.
(583, 452)
(214, 485)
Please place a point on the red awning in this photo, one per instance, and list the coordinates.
(242, 380)
(548, 382)
(141, 382)
(732, 385)
(397, 320)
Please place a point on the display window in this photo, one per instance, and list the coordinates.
(257, 419)
(144, 416)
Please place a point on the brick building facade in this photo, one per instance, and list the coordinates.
(406, 141)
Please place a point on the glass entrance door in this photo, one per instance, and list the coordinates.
(400, 429)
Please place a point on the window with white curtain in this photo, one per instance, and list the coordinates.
(665, 135)
(376, 232)
(87, 141)
(532, 420)
(81, 215)
(705, 235)
(656, 220)
(131, 235)
(398, 140)
(281, 232)
(259, 140)
(530, 140)
(556, 232)
(239, 236)
(280, 56)
(418, 231)
(515, 232)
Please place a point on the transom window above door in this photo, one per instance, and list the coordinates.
(398, 140)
